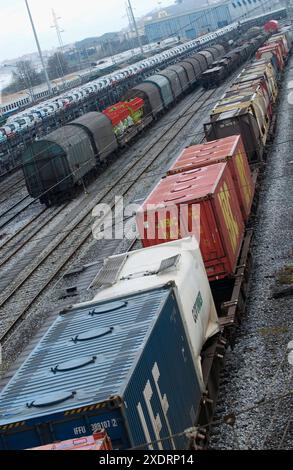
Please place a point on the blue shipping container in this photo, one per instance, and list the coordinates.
(122, 365)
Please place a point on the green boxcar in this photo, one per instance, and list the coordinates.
(57, 162)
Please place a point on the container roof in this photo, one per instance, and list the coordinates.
(83, 359)
(65, 136)
(195, 155)
(190, 186)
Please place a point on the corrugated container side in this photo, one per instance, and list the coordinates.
(254, 104)
(164, 88)
(173, 80)
(241, 94)
(187, 275)
(254, 85)
(261, 72)
(281, 39)
(233, 123)
(266, 52)
(221, 223)
(163, 394)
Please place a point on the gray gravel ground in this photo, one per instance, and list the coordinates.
(257, 373)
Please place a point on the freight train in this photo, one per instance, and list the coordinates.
(80, 93)
(141, 360)
(53, 165)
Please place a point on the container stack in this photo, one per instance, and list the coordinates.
(207, 193)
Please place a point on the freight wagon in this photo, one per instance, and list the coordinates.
(147, 348)
(229, 150)
(128, 362)
(206, 200)
(248, 110)
(219, 70)
(54, 165)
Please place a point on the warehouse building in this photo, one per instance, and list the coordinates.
(190, 19)
(188, 25)
(247, 8)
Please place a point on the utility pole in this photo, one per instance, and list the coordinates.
(39, 48)
(58, 29)
(135, 26)
(61, 45)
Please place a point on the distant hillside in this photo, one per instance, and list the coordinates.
(95, 41)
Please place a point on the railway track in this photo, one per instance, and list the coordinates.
(6, 185)
(10, 214)
(44, 269)
(13, 193)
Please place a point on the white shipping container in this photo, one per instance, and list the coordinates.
(141, 270)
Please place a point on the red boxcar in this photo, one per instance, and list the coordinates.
(99, 441)
(269, 50)
(229, 150)
(172, 211)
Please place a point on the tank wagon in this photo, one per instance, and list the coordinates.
(122, 362)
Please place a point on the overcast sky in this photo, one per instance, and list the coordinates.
(79, 20)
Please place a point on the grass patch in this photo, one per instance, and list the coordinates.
(275, 330)
(285, 277)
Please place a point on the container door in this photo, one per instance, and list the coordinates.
(211, 245)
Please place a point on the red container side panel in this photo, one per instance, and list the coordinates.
(202, 202)
(99, 441)
(230, 150)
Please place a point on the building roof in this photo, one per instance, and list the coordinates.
(184, 8)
